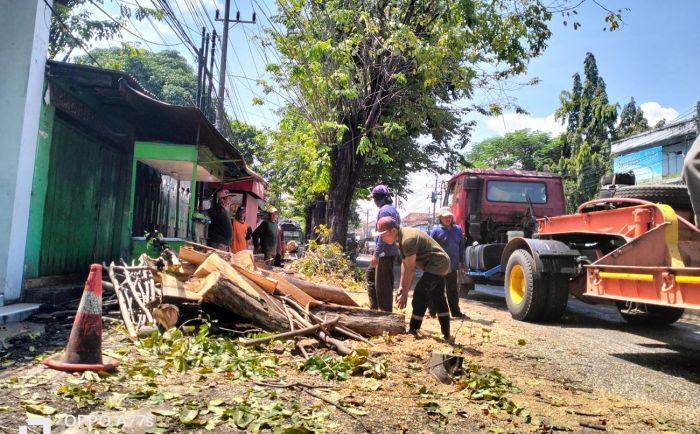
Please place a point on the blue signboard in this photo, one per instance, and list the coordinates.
(645, 164)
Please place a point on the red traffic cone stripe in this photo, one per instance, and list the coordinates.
(84, 349)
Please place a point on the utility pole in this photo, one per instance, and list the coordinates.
(367, 223)
(220, 114)
(200, 68)
(211, 72)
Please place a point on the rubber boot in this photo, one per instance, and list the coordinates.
(414, 325)
(444, 320)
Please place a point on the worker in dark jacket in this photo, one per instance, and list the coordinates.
(417, 249)
(380, 273)
(691, 176)
(266, 236)
(451, 238)
(220, 231)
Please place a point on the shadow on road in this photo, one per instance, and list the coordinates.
(673, 350)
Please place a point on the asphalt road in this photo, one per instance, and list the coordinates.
(593, 347)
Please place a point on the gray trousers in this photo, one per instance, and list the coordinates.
(691, 176)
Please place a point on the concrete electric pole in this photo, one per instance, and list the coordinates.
(220, 113)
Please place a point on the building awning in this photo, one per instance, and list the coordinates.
(153, 120)
(666, 135)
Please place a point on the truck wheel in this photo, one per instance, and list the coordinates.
(526, 294)
(557, 297)
(648, 314)
(676, 196)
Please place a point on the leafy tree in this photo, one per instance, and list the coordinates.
(632, 121)
(250, 140)
(74, 23)
(371, 76)
(523, 149)
(591, 126)
(165, 74)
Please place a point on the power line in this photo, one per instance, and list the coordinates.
(126, 29)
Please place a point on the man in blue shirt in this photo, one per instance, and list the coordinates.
(380, 273)
(451, 239)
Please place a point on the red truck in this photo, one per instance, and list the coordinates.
(636, 247)
(493, 205)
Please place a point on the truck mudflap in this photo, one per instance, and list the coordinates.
(550, 256)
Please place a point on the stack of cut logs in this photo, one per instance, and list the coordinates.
(274, 300)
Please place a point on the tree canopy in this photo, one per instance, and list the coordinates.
(73, 24)
(632, 120)
(165, 74)
(365, 79)
(591, 123)
(522, 149)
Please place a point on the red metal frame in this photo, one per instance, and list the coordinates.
(658, 264)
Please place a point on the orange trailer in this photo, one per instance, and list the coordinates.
(644, 256)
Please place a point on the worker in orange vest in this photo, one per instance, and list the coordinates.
(241, 231)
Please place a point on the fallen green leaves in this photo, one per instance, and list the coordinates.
(341, 368)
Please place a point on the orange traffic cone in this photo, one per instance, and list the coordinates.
(84, 349)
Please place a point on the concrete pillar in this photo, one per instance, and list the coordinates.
(24, 33)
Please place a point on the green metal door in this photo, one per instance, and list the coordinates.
(86, 201)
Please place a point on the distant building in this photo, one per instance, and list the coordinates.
(418, 220)
(656, 155)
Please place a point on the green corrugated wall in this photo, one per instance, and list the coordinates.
(87, 202)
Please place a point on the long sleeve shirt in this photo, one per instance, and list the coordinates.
(384, 249)
(451, 239)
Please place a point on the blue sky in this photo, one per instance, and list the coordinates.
(653, 57)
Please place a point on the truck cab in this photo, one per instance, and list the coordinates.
(493, 204)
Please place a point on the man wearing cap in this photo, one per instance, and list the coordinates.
(241, 231)
(266, 235)
(220, 230)
(417, 249)
(451, 239)
(380, 273)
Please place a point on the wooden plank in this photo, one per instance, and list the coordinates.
(363, 321)
(171, 288)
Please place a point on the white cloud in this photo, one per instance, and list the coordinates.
(653, 112)
(510, 122)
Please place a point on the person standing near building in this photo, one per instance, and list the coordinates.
(380, 273)
(281, 246)
(451, 238)
(241, 231)
(418, 250)
(266, 235)
(220, 231)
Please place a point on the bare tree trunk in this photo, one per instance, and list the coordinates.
(346, 168)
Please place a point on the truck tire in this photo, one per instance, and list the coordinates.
(526, 293)
(648, 314)
(676, 196)
(557, 297)
(465, 289)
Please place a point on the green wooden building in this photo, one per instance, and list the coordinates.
(113, 162)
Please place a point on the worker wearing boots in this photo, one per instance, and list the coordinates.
(417, 249)
(691, 176)
(380, 273)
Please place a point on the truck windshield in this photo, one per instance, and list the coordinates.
(515, 191)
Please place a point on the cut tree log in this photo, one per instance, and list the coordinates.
(266, 283)
(192, 256)
(322, 292)
(262, 310)
(173, 289)
(363, 321)
(215, 263)
(291, 290)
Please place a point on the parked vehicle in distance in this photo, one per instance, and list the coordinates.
(292, 232)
